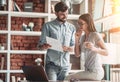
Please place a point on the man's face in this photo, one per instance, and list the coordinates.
(62, 16)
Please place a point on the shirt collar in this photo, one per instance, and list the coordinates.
(65, 23)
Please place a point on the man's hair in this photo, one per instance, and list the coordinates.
(61, 6)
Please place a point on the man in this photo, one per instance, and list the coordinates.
(57, 63)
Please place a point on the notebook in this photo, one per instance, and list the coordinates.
(35, 73)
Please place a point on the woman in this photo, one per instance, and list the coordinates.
(91, 45)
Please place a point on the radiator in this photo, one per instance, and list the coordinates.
(115, 75)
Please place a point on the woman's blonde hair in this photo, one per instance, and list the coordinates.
(89, 20)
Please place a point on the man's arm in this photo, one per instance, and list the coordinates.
(42, 45)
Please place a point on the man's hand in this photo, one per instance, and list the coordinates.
(67, 49)
(44, 46)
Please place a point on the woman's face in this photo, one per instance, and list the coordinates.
(82, 25)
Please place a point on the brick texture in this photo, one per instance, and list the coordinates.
(3, 40)
(19, 42)
(3, 22)
(16, 23)
(38, 5)
(18, 60)
(24, 42)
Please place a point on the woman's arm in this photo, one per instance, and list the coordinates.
(77, 49)
(101, 50)
(100, 47)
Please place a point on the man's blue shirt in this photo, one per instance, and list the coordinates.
(65, 34)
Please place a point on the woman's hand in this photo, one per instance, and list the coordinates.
(102, 50)
(90, 46)
(78, 35)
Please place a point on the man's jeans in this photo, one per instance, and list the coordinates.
(55, 72)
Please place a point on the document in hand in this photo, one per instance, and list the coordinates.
(55, 44)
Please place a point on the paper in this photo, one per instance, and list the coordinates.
(55, 44)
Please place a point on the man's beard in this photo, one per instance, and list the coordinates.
(61, 20)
